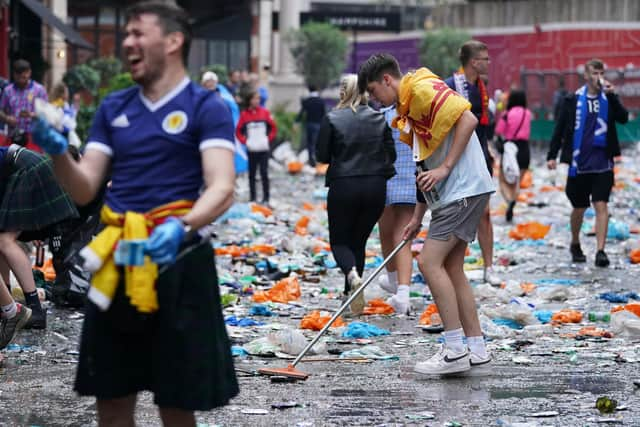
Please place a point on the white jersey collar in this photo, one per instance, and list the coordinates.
(154, 106)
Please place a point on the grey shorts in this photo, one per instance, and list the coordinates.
(460, 218)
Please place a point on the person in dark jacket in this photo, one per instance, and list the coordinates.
(586, 132)
(313, 110)
(356, 142)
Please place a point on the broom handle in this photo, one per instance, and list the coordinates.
(346, 304)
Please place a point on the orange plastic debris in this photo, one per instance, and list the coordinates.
(527, 179)
(321, 168)
(315, 321)
(264, 210)
(592, 331)
(287, 289)
(423, 233)
(548, 188)
(294, 167)
(633, 307)
(232, 250)
(47, 270)
(525, 196)
(321, 247)
(264, 248)
(308, 206)
(378, 306)
(634, 256)
(301, 226)
(529, 230)
(566, 316)
(426, 316)
(527, 288)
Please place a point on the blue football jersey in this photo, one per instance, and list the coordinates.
(592, 159)
(155, 146)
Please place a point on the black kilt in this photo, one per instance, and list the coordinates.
(181, 353)
(31, 200)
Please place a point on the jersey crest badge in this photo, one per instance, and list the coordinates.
(175, 122)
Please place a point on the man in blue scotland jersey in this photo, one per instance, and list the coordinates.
(586, 131)
(167, 146)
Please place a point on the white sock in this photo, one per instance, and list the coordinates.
(9, 311)
(403, 292)
(453, 340)
(392, 276)
(477, 346)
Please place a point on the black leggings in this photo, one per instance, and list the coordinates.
(259, 159)
(354, 205)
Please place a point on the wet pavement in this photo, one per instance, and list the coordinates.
(542, 375)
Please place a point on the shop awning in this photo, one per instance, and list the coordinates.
(71, 36)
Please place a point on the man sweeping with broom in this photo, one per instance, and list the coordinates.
(161, 142)
(454, 181)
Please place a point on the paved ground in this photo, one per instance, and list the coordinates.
(538, 379)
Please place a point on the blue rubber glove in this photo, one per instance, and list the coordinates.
(49, 139)
(165, 240)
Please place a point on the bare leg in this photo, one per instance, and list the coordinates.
(172, 417)
(454, 265)
(17, 260)
(391, 225)
(485, 237)
(602, 223)
(431, 262)
(508, 191)
(5, 296)
(117, 412)
(4, 271)
(577, 214)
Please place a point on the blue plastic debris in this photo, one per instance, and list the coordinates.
(507, 322)
(618, 230)
(363, 330)
(552, 282)
(260, 310)
(237, 351)
(619, 298)
(544, 316)
(234, 321)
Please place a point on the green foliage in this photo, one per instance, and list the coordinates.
(319, 51)
(107, 67)
(84, 120)
(117, 82)
(439, 50)
(220, 70)
(82, 77)
(288, 130)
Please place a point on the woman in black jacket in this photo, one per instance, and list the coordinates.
(356, 142)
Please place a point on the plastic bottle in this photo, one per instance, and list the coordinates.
(39, 255)
(599, 316)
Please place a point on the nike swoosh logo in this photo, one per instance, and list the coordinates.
(480, 363)
(449, 360)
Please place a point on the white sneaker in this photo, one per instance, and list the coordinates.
(355, 281)
(383, 281)
(480, 366)
(444, 362)
(491, 278)
(400, 305)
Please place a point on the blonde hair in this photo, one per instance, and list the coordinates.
(350, 94)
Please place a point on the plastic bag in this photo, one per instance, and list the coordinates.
(285, 290)
(378, 306)
(510, 168)
(566, 316)
(316, 321)
(428, 316)
(529, 230)
(363, 330)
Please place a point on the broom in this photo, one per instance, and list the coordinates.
(291, 371)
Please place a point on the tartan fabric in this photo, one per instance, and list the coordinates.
(32, 199)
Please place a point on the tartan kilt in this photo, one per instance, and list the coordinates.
(32, 200)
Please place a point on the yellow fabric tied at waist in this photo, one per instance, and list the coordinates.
(427, 109)
(140, 280)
